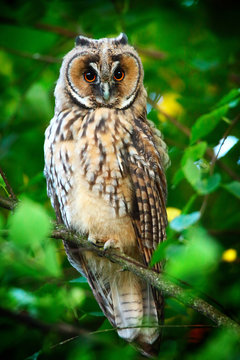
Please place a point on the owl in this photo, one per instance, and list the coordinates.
(104, 167)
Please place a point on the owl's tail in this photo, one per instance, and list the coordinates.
(134, 309)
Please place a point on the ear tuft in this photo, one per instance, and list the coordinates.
(122, 39)
(81, 41)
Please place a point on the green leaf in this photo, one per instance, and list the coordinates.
(219, 346)
(30, 224)
(206, 123)
(208, 185)
(178, 176)
(199, 254)
(96, 313)
(50, 260)
(191, 172)
(194, 152)
(229, 98)
(182, 222)
(160, 253)
(79, 280)
(35, 356)
(178, 307)
(233, 188)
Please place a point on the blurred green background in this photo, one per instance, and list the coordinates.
(190, 52)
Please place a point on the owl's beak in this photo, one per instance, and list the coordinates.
(105, 91)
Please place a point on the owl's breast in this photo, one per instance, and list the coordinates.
(100, 197)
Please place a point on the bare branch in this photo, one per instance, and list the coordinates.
(36, 56)
(154, 54)
(225, 135)
(8, 186)
(8, 204)
(60, 328)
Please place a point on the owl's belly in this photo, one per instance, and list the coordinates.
(89, 213)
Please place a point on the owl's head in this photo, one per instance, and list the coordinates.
(102, 73)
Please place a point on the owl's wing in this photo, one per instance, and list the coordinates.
(58, 178)
(149, 209)
(100, 288)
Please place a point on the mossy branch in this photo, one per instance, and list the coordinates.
(158, 281)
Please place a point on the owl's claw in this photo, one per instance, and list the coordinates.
(113, 244)
(95, 241)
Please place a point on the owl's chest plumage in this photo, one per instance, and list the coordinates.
(88, 168)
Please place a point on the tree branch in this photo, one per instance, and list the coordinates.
(8, 204)
(60, 328)
(8, 186)
(158, 281)
(35, 56)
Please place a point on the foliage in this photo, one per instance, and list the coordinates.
(190, 53)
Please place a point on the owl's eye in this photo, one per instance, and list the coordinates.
(89, 76)
(118, 74)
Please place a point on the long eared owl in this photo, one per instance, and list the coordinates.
(104, 165)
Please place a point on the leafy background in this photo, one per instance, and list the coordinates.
(190, 52)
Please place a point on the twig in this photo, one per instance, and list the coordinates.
(185, 130)
(73, 331)
(225, 135)
(36, 56)
(8, 186)
(173, 326)
(154, 54)
(220, 232)
(214, 159)
(60, 328)
(8, 204)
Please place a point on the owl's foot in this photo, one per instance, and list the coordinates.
(113, 244)
(95, 241)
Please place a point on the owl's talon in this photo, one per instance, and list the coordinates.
(95, 241)
(112, 244)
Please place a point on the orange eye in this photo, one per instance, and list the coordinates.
(89, 76)
(118, 74)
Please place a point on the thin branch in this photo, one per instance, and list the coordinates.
(57, 30)
(185, 130)
(154, 54)
(225, 135)
(214, 159)
(8, 204)
(8, 186)
(60, 328)
(162, 326)
(66, 329)
(36, 56)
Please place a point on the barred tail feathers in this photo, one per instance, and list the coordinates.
(150, 317)
(127, 303)
(134, 306)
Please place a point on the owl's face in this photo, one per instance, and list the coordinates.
(102, 73)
